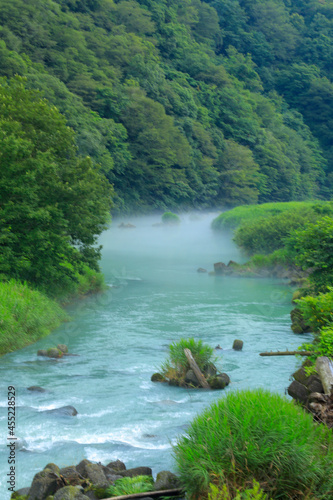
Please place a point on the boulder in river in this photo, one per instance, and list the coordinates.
(191, 379)
(201, 270)
(219, 381)
(42, 352)
(53, 352)
(157, 377)
(63, 411)
(45, 483)
(220, 268)
(63, 348)
(237, 345)
(36, 388)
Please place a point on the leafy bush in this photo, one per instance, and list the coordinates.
(177, 364)
(170, 219)
(317, 311)
(254, 493)
(26, 315)
(131, 485)
(252, 213)
(256, 435)
(322, 345)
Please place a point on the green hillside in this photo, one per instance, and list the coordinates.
(185, 103)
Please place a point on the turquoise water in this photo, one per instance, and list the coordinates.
(155, 296)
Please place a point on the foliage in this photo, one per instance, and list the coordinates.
(313, 246)
(317, 311)
(255, 493)
(170, 218)
(131, 485)
(322, 344)
(26, 315)
(231, 219)
(177, 363)
(180, 103)
(53, 204)
(256, 435)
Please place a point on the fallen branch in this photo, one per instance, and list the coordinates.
(174, 492)
(324, 369)
(201, 379)
(286, 353)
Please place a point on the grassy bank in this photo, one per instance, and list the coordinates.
(26, 316)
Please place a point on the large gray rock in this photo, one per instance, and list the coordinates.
(298, 391)
(137, 471)
(64, 411)
(53, 467)
(71, 475)
(96, 475)
(22, 492)
(191, 379)
(117, 465)
(166, 480)
(314, 384)
(81, 467)
(45, 483)
(220, 268)
(70, 493)
(301, 376)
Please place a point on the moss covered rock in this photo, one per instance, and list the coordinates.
(70, 493)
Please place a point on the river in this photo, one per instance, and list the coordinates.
(154, 297)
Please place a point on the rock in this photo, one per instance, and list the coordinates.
(298, 391)
(301, 376)
(36, 388)
(52, 467)
(201, 270)
(70, 493)
(237, 345)
(166, 480)
(71, 475)
(157, 377)
(96, 475)
(220, 268)
(137, 471)
(53, 352)
(126, 226)
(314, 384)
(91, 495)
(21, 492)
(64, 411)
(45, 483)
(210, 369)
(232, 263)
(81, 467)
(42, 352)
(219, 381)
(117, 466)
(191, 379)
(218, 347)
(298, 324)
(318, 397)
(63, 348)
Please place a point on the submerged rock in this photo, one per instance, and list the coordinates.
(157, 377)
(237, 345)
(36, 388)
(63, 348)
(64, 411)
(42, 352)
(201, 270)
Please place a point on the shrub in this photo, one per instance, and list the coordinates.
(170, 219)
(256, 435)
(177, 364)
(322, 345)
(224, 493)
(131, 485)
(317, 311)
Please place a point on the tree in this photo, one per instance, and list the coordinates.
(53, 204)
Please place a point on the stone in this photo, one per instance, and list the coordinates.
(301, 376)
(70, 493)
(210, 369)
(237, 345)
(318, 397)
(298, 391)
(298, 324)
(64, 411)
(42, 352)
(81, 467)
(71, 475)
(137, 471)
(191, 379)
(220, 268)
(36, 388)
(157, 377)
(45, 483)
(314, 384)
(96, 475)
(201, 270)
(117, 466)
(53, 352)
(53, 467)
(63, 348)
(21, 492)
(217, 382)
(166, 480)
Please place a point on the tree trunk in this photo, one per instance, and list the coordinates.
(286, 353)
(201, 379)
(324, 367)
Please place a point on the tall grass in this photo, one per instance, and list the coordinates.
(256, 435)
(249, 213)
(131, 485)
(26, 315)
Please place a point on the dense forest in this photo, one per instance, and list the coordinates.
(184, 103)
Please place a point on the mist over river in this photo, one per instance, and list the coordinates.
(155, 297)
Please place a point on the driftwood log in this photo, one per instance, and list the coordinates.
(201, 379)
(286, 353)
(324, 367)
(168, 493)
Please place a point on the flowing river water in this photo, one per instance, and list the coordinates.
(154, 297)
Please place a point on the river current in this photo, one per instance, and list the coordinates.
(155, 296)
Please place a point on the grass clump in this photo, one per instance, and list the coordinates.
(170, 219)
(26, 315)
(131, 485)
(177, 365)
(256, 435)
(251, 213)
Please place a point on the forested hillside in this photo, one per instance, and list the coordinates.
(185, 103)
